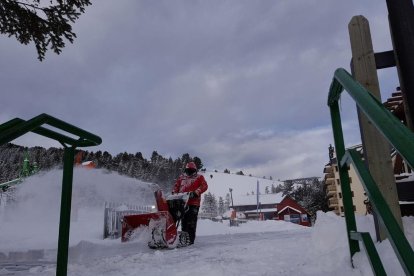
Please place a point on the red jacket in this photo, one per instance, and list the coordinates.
(195, 183)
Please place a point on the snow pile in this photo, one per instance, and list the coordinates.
(208, 227)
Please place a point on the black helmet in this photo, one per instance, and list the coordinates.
(190, 168)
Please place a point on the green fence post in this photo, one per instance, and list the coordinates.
(395, 234)
(16, 128)
(373, 257)
(65, 207)
(344, 177)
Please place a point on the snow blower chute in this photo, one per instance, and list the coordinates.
(163, 225)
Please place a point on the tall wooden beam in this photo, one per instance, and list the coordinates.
(377, 151)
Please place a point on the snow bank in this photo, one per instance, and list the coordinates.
(208, 227)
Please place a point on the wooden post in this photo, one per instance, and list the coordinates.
(377, 151)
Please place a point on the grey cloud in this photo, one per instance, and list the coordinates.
(238, 83)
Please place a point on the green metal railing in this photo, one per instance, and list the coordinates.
(401, 138)
(6, 185)
(18, 127)
(26, 171)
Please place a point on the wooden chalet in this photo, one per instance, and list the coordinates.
(289, 210)
(403, 173)
(255, 207)
(271, 206)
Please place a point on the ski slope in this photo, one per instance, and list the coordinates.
(253, 248)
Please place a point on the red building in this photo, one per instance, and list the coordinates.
(289, 210)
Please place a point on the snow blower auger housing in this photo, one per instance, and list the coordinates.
(163, 225)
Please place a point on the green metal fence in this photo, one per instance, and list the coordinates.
(18, 127)
(401, 138)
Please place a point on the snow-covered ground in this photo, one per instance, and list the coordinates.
(253, 248)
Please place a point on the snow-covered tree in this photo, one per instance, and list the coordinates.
(159, 170)
(221, 206)
(209, 207)
(227, 202)
(45, 23)
(198, 162)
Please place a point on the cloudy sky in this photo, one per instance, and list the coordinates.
(241, 84)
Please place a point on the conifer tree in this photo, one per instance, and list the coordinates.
(45, 23)
(209, 207)
(221, 206)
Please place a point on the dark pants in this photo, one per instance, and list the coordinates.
(189, 222)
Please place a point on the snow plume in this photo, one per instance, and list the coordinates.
(91, 188)
(37, 206)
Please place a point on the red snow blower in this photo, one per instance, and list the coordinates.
(163, 225)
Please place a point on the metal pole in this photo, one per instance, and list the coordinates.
(257, 199)
(231, 196)
(344, 177)
(65, 207)
(401, 20)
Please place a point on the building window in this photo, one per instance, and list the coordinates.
(340, 195)
(352, 193)
(304, 217)
(342, 209)
(336, 168)
(350, 180)
(354, 208)
(338, 182)
(295, 218)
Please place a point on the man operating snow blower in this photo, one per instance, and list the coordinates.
(180, 207)
(193, 183)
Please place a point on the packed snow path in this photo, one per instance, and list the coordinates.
(235, 254)
(267, 253)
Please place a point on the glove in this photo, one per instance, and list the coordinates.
(193, 195)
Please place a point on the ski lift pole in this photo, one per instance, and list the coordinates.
(231, 197)
(257, 199)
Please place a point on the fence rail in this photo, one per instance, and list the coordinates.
(114, 213)
(401, 138)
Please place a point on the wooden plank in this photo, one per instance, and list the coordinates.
(376, 148)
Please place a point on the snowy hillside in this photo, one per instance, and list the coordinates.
(244, 188)
(220, 183)
(253, 248)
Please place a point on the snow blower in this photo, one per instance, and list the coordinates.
(163, 225)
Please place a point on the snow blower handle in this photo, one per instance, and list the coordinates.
(193, 195)
(183, 196)
(180, 196)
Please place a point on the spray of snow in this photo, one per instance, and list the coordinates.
(32, 221)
